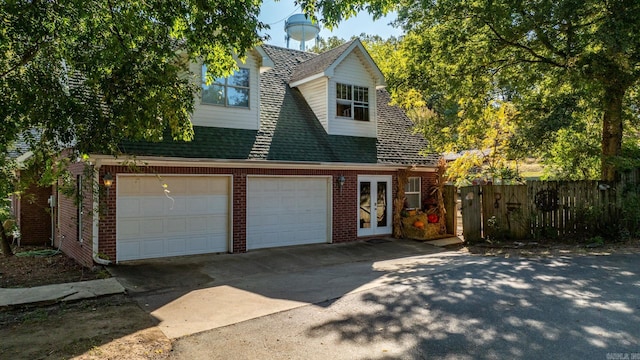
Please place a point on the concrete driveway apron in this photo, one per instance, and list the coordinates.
(191, 294)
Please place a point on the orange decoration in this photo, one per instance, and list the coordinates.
(419, 224)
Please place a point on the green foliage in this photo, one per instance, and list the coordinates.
(494, 231)
(490, 136)
(630, 211)
(557, 62)
(573, 154)
(596, 241)
(327, 44)
(91, 73)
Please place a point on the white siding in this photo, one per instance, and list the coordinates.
(352, 71)
(315, 92)
(229, 117)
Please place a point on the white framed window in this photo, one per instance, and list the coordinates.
(412, 193)
(352, 102)
(232, 91)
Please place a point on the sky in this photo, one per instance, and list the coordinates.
(275, 13)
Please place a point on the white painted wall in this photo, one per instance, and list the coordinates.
(315, 92)
(352, 71)
(230, 117)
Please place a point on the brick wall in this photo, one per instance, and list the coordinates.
(344, 211)
(33, 215)
(67, 226)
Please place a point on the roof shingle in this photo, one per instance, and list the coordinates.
(290, 131)
(319, 63)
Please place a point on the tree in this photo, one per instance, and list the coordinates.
(327, 44)
(88, 74)
(555, 60)
(484, 142)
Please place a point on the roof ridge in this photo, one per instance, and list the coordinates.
(286, 48)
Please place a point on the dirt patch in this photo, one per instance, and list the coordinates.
(106, 328)
(40, 267)
(551, 249)
(112, 327)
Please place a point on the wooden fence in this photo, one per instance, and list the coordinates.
(549, 209)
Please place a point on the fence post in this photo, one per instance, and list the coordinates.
(450, 206)
(471, 202)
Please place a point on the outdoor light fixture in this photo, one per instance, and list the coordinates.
(107, 179)
(341, 180)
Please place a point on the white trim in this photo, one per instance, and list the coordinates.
(419, 192)
(328, 178)
(307, 79)
(373, 229)
(380, 83)
(329, 71)
(96, 217)
(257, 164)
(80, 207)
(267, 62)
(20, 160)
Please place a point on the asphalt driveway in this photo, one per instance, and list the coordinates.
(191, 294)
(391, 300)
(447, 307)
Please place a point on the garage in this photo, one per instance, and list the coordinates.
(169, 215)
(284, 211)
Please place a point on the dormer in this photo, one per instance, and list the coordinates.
(233, 101)
(340, 87)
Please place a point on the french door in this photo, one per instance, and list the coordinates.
(374, 205)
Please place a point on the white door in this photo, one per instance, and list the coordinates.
(283, 211)
(190, 215)
(374, 205)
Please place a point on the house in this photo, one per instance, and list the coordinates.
(293, 148)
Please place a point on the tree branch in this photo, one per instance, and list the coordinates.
(541, 59)
(25, 59)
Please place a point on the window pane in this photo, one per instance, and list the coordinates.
(413, 185)
(343, 91)
(381, 210)
(343, 110)
(361, 94)
(219, 80)
(238, 97)
(365, 205)
(239, 78)
(361, 113)
(213, 94)
(413, 201)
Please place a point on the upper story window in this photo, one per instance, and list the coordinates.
(412, 193)
(227, 91)
(352, 102)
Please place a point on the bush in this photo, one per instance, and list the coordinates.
(629, 226)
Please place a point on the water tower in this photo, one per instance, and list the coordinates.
(299, 27)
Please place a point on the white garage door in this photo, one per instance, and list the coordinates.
(283, 211)
(188, 216)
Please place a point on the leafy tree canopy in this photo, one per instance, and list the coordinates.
(558, 61)
(90, 73)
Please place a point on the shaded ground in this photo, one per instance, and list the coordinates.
(28, 271)
(471, 307)
(551, 248)
(113, 327)
(117, 328)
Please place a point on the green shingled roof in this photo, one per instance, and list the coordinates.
(290, 131)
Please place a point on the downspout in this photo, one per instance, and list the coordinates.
(96, 214)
